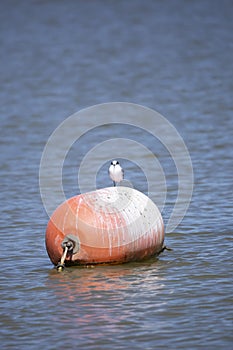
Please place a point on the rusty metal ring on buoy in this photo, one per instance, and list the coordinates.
(73, 240)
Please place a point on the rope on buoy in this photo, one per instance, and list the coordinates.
(61, 265)
(70, 245)
(165, 248)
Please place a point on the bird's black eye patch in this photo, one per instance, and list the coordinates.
(117, 162)
(111, 163)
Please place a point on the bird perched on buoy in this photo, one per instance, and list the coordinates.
(116, 172)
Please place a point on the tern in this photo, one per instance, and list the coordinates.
(116, 172)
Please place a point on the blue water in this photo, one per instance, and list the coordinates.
(174, 57)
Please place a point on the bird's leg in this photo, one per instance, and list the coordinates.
(114, 183)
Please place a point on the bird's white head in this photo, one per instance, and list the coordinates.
(114, 162)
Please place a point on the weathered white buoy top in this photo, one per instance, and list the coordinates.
(129, 208)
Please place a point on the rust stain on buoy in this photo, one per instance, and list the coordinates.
(110, 225)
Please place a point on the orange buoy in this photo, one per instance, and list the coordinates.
(110, 225)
